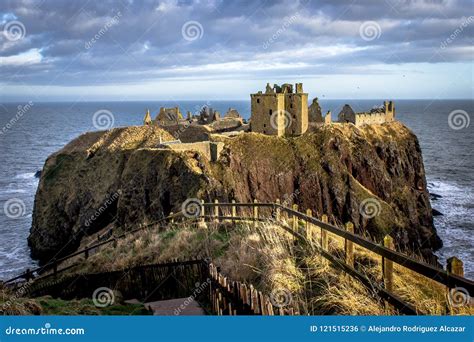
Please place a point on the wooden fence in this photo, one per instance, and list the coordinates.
(243, 297)
(199, 279)
(452, 277)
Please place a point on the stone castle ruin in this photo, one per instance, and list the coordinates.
(280, 110)
(315, 113)
(283, 112)
(376, 115)
(169, 116)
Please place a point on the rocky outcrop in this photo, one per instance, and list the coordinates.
(339, 170)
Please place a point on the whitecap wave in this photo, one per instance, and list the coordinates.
(28, 175)
(12, 191)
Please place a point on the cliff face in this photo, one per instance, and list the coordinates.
(372, 176)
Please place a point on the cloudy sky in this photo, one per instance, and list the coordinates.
(172, 50)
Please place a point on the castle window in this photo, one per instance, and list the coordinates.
(264, 125)
(264, 132)
(270, 112)
(291, 105)
(258, 100)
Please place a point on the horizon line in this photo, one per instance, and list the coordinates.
(229, 100)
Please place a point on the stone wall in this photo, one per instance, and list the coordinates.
(370, 118)
(210, 150)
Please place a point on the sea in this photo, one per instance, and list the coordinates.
(31, 131)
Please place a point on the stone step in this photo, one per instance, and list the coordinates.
(176, 307)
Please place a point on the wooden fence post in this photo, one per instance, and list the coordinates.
(324, 234)
(309, 226)
(349, 246)
(255, 213)
(295, 219)
(278, 210)
(216, 210)
(388, 265)
(455, 266)
(234, 209)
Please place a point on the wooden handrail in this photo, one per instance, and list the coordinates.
(52, 264)
(437, 274)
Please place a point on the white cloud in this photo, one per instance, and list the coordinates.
(29, 57)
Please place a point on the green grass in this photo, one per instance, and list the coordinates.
(52, 306)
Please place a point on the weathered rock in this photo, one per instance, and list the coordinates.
(333, 171)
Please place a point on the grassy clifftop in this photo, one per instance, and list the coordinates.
(120, 178)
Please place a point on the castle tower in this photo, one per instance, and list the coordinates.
(296, 105)
(147, 119)
(280, 111)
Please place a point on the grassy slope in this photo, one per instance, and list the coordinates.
(10, 305)
(269, 258)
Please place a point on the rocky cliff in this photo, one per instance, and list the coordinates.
(370, 175)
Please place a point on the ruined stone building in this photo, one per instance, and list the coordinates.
(208, 115)
(232, 114)
(280, 110)
(168, 116)
(314, 112)
(346, 114)
(377, 115)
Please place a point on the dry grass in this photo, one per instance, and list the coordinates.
(268, 257)
(424, 294)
